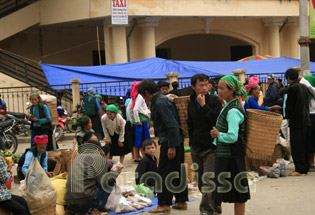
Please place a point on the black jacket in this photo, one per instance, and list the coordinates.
(166, 121)
(272, 94)
(200, 122)
(147, 164)
(297, 106)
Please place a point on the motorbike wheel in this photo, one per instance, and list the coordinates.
(58, 133)
(72, 128)
(10, 142)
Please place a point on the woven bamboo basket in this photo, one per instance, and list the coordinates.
(262, 129)
(56, 157)
(188, 165)
(181, 104)
(53, 113)
(66, 154)
(49, 210)
(277, 153)
(4, 211)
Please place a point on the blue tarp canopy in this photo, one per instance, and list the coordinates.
(153, 68)
(271, 65)
(156, 68)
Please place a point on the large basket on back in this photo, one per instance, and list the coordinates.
(181, 104)
(262, 129)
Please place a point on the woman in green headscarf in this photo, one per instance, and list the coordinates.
(40, 117)
(114, 131)
(229, 135)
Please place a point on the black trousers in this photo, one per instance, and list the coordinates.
(166, 166)
(300, 139)
(17, 205)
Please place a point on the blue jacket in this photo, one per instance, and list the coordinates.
(165, 121)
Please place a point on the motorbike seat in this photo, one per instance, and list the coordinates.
(5, 124)
(18, 115)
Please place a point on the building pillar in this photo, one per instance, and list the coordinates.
(240, 74)
(294, 35)
(108, 42)
(119, 44)
(273, 25)
(172, 77)
(148, 25)
(75, 92)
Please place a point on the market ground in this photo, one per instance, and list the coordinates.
(286, 195)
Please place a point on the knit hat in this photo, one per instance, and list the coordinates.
(271, 76)
(41, 139)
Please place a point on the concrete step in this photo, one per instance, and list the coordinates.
(27, 139)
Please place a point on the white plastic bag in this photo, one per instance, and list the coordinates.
(113, 199)
(37, 190)
(124, 206)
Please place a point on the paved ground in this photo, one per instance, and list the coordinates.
(286, 195)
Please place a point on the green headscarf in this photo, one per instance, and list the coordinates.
(112, 108)
(311, 80)
(235, 85)
(98, 96)
(40, 100)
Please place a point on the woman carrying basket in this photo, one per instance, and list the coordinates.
(41, 120)
(230, 141)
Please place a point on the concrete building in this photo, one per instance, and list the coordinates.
(65, 31)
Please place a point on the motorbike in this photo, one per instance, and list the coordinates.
(71, 121)
(23, 125)
(62, 120)
(8, 140)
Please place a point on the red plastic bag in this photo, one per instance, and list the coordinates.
(8, 184)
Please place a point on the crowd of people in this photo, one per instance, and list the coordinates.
(216, 130)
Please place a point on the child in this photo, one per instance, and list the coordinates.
(148, 162)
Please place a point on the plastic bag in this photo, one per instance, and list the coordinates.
(113, 199)
(275, 171)
(140, 188)
(127, 190)
(141, 199)
(60, 182)
(124, 206)
(37, 190)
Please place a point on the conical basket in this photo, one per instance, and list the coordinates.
(262, 129)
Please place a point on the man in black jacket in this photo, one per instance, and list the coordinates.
(297, 112)
(272, 91)
(166, 126)
(203, 111)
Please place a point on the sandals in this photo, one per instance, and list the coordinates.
(294, 173)
(161, 209)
